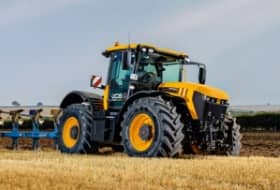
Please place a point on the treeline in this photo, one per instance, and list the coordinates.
(262, 121)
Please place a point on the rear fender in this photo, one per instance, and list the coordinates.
(77, 97)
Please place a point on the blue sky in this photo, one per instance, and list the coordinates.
(48, 48)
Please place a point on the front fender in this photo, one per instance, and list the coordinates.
(76, 97)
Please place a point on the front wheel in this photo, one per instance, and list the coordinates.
(233, 130)
(74, 130)
(229, 140)
(152, 127)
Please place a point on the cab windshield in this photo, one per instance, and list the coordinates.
(175, 72)
(162, 68)
(165, 68)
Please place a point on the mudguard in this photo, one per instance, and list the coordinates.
(76, 97)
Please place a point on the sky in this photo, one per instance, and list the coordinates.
(49, 48)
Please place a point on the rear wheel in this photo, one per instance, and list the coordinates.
(152, 127)
(74, 130)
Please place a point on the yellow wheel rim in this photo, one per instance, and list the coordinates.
(142, 132)
(70, 125)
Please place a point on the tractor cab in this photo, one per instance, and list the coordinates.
(142, 67)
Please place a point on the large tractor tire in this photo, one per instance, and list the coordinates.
(74, 130)
(233, 130)
(151, 127)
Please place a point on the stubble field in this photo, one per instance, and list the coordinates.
(52, 170)
(257, 168)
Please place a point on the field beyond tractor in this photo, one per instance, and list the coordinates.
(261, 144)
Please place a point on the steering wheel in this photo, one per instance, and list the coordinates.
(148, 77)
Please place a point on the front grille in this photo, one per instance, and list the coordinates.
(208, 108)
(215, 100)
(214, 110)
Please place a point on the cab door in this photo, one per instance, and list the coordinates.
(118, 80)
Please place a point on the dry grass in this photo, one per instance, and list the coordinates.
(52, 170)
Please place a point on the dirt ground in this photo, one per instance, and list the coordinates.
(253, 144)
(261, 144)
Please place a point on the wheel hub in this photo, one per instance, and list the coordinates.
(74, 132)
(141, 132)
(145, 132)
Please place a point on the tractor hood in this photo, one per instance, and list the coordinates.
(195, 87)
(197, 96)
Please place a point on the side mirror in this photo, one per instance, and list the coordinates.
(202, 75)
(96, 81)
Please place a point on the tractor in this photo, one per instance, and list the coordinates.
(149, 108)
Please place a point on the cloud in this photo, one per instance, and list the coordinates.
(223, 22)
(16, 11)
(241, 14)
(234, 39)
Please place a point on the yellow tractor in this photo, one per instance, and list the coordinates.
(149, 108)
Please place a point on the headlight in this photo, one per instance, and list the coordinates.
(151, 50)
(144, 49)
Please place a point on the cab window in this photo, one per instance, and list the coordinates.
(118, 79)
